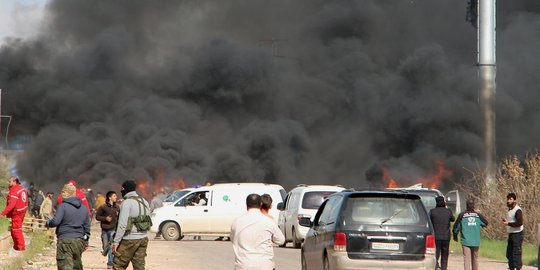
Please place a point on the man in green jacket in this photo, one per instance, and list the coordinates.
(469, 223)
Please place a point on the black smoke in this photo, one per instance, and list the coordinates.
(274, 91)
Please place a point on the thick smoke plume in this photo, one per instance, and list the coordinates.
(279, 91)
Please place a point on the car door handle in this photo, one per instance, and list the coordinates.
(205, 210)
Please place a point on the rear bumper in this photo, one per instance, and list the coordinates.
(340, 260)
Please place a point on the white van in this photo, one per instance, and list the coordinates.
(210, 210)
(302, 201)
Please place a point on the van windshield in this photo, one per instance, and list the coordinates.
(387, 211)
(314, 199)
(176, 195)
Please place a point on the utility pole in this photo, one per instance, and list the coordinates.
(486, 36)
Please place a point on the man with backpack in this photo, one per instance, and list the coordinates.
(131, 241)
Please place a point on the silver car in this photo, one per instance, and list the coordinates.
(369, 230)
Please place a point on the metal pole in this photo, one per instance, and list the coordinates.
(487, 72)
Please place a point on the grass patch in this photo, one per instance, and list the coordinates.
(40, 240)
(4, 222)
(496, 249)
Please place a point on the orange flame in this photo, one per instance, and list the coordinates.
(432, 180)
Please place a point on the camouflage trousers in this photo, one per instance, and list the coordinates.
(133, 251)
(68, 254)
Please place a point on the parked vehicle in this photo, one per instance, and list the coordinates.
(428, 195)
(210, 210)
(369, 230)
(302, 201)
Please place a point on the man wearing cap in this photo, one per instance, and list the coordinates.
(441, 217)
(469, 223)
(16, 207)
(130, 243)
(72, 224)
(79, 195)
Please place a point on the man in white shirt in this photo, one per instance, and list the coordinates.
(252, 235)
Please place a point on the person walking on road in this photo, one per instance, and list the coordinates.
(441, 217)
(16, 207)
(469, 223)
(131, 241)
(72, 223)
(252, 235)
(514, 228)
(107, 214)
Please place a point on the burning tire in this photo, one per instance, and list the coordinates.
(170, 231)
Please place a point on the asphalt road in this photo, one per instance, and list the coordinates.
(207, 254)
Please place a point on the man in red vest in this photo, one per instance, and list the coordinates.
(79, 195)
(16, 206)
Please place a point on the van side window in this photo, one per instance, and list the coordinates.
(329, 213)
(317, 217)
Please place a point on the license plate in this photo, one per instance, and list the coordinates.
(384, 246)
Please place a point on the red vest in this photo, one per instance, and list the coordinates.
(17, 201)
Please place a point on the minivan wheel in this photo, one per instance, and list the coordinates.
(303, 261)
(326, 263)
(295, 242)
(170, 231)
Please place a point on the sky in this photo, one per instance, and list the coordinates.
(20, 18)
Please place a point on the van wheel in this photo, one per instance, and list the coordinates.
(295, 242)
(170, 231)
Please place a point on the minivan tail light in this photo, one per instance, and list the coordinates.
(340, 241)
(300, 216)
(430, 244)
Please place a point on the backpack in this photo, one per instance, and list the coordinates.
(142, 222)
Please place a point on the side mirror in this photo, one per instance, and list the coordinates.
(305, 221)
(280, 206)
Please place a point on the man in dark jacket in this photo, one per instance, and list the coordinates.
(107, 214)
(73, 230)
(440, 218)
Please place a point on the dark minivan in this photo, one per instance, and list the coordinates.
(369, 230)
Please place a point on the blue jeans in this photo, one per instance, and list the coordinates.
(106, 240)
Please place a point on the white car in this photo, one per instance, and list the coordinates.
(210, 210)
(302, 201)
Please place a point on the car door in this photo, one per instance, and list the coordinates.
(311, 254)
(290, 214)
(194, 218)
(453, 201)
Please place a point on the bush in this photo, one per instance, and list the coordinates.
(521, 176)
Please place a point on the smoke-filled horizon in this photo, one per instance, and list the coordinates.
(282, 92)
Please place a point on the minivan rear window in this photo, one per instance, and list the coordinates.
(314, 199)
(384, 210)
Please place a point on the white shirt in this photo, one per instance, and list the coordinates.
(252, 235)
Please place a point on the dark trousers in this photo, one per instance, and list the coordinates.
(513, 250)
(69, 254)
(133, 251)
(441, 251)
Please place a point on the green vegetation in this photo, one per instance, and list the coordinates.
(496, 249)
(40, 240)
(4, 222)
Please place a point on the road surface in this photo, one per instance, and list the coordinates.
(207, 254)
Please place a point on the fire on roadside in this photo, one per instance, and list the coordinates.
(432, 180)
(147, 187)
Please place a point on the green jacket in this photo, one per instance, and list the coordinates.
(469, 223)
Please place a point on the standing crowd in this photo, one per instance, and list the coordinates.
(467, 227)
(123, 227)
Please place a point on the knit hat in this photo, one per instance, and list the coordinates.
(68, 191)
(128, 186)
